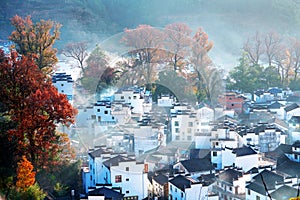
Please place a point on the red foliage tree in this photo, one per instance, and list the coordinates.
(36, 107)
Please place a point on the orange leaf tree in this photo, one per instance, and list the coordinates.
(35, 106)
(25, 174)
(36, 38)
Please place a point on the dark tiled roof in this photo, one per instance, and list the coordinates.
(161, 179)
(275, 90)
(181, 182)
(230, 175)
(284, 192)
(295, 119)
(116, 160)
(293, 99)
(108, 193)
(197, 165)
(275, 105)
(253, 170)
(243, 151)
(99, 152)
(258, 92)
(279, 151)
(269, 178)
(291, 107)
(288, 167)
(296, 144)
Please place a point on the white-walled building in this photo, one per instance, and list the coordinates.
(243, 157)
(187, 188)
(291, 110)
(64, 84)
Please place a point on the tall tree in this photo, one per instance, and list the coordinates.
(272, 44)
(254, 47)
(36, 38)
(35, 106)
(200, 60)
(77, 51)
(146, 43)
(177, 43)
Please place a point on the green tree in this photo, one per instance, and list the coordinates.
(246, 77)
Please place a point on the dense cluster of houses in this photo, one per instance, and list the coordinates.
(247, 147)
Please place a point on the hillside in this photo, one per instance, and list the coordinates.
(227, 22)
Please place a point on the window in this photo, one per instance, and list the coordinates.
(127, 179)
(134, 97)
(249, 192)
(127, 192)
(106, 112)
(257, 197)
(91, 178)
(176, 130)
(122, 97)
(98, 110)
(129, 97)
(296, 157)
(190, 124)
(232, 104)
(176, 123)
(189, 130)
(215, 153)
(181, 194)
(62, 91)
(62, 84)
(93, 116)
(118, 178)
(215, 165)
(127, 168)
(177, 137)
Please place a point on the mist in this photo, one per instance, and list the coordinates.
(228, 23)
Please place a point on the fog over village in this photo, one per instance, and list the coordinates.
(177, 100)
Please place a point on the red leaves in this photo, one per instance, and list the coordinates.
(36, 106)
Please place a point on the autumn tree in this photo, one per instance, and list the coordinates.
(25, 174)
(200, 61)
(97, 63)
(177, 43)
(77, 51)
(254, 47)
(36, 38)
(145, 43)
(35, 106)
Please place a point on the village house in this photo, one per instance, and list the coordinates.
(183, 121)
(291, 110)
(242, 157)
(120, 170)
(263, 137)
(187, 188)
(232, 101)
(64, 84)
(231, 183)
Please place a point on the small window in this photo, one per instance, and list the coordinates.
(91, 178)
(257, 197)
(177, 130)
(177, 137)
(122, 97)
(189, 130)
(232, 104)
(62, 91)
(129, 97)
(127, 169)
(62, 84)
(249, 192)
(181, 194)
(127, 179)
(190, 124)
(106, 112)
(134, 97)
(118, 178)
(127, 192)
(93, 116)
(176, 123)
(215, 153)
(296, 157)
(98, 110)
